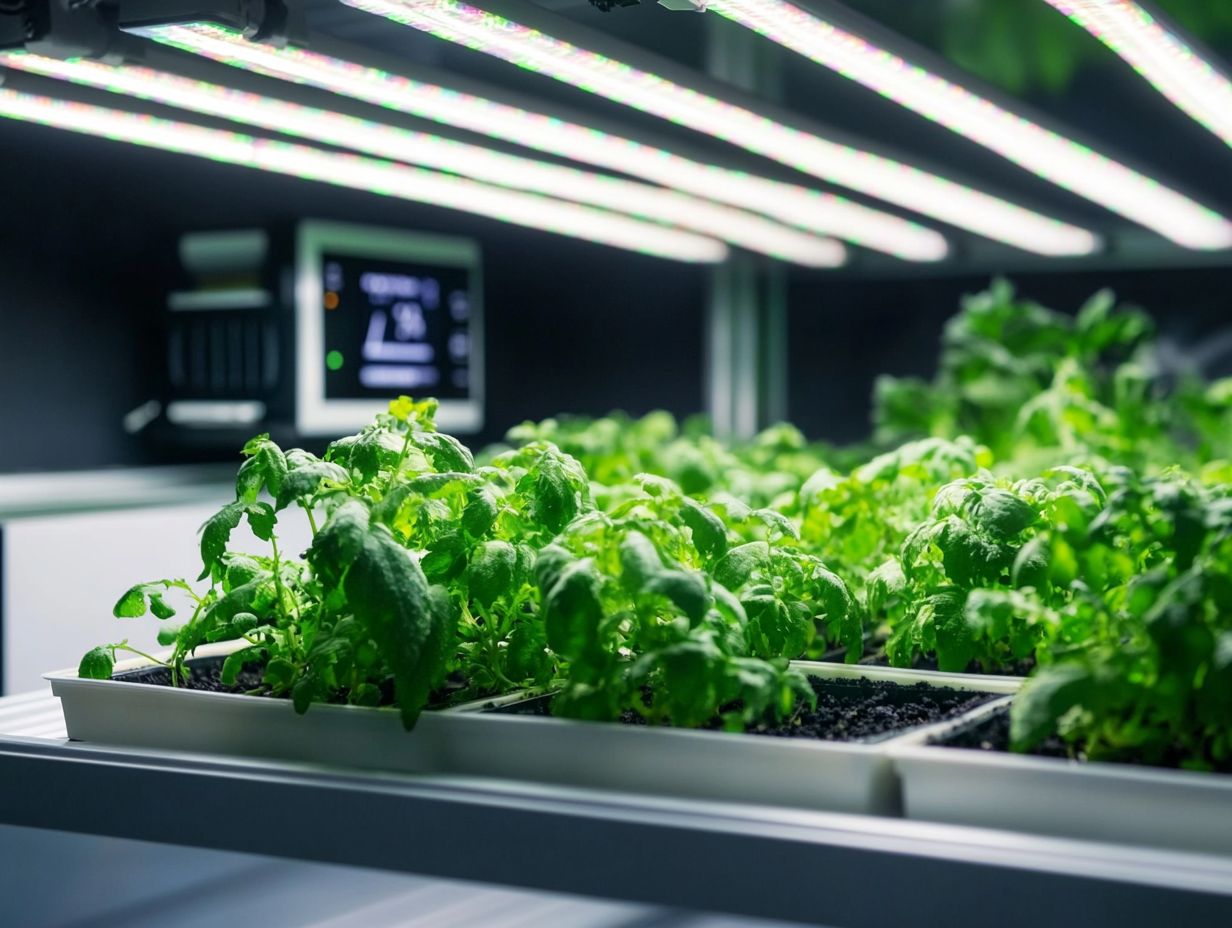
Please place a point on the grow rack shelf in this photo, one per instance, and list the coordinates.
(755, 861)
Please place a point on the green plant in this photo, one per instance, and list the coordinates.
(421, 564)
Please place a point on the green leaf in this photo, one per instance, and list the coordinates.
(1032, 565)
(491, 571)
(97, 664)
(366, 694)
(167, 635)
(968, 558)
(639, 562)
(709, 532)
(280, 673)
(884, 583)
(1000, 512)
(160, 607)
(740, 563)
(235, 662)
(306, 475)
(445, 558)
(389, 594)
(215, 536)
(132, 604)
(367, 453)
(555, 499)
(1048, 695)
(266, 466)
(956, 646)
(777, 523)
(693, 679)
(261, 518)
(550, 564)
(240, 570)
(339, 541)
(480, 513)
(445, 452)
(686, 589)
(526, 657)
(572, 610)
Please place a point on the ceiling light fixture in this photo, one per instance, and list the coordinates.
(1038, 149)
(737, 227)
(1161, 55)
(366, 174)
(818, 212)
(623, 82)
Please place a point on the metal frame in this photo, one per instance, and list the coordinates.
(759, 862)
(746, 319)
(3, 599)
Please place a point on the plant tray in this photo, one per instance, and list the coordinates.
(1123, 803)
(814, 774)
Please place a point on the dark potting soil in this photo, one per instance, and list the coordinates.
(205, 674)
(993, 734)
(1019, 668)
(847, 710)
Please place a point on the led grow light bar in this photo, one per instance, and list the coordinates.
(1039, 150)
(735, 226)
(808, 209)
(1160, 55)
(877, 176)
(367, 174)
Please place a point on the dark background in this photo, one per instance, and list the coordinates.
(88, 234)
(88, 252)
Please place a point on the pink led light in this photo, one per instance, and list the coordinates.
(1169, 64)
(1043, 152)
(654, 203)
(366, 174)
(877, 176)
(807, 209)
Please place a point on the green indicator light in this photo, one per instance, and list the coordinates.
(333, 360)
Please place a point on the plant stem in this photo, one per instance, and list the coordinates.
(312, 522)
(148, 657)
(406, 449)
(277, 574)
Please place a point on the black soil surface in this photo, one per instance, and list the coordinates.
(204, 673)
(993, 734)
(847, 710)
(1020, 668)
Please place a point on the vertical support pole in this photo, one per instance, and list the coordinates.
(3, 627)
(772, 344)
(746, 319)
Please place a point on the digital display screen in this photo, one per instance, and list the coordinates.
(395, 327)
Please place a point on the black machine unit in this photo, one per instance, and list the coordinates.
(311, 331)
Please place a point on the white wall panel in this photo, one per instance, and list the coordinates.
(62, 575)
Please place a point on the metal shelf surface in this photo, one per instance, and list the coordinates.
(840, 870)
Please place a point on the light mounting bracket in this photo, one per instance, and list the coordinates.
(93, 28)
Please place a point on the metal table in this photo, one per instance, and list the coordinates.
(840, 870)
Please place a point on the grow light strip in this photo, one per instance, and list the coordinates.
(1160, 55)
(750, 231)
(877, 176)
(1041, 151)
(826, 214)
(366, 174)
(810, 210)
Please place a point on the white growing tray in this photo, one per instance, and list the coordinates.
(833, 776)
(1177, 809)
